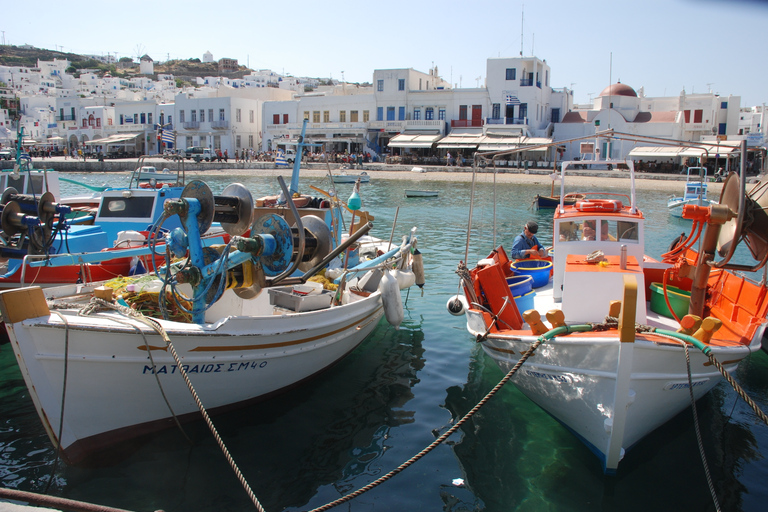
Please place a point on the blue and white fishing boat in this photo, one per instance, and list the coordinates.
(695, 192)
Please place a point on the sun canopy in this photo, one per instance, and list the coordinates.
(494, 143)
(122, 138)
(655, 152)
(405, 140)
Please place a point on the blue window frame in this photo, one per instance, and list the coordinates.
(724, 105)
(721, 129)
(441, 114)
(429, 113)
(401, 113)
(511, 73)
(379, 113)
(401, 84)
(390, 113)
(379, 85)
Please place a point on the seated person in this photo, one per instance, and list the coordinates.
(569, 231)
(588, 230)
(604, 234)
(526, 244)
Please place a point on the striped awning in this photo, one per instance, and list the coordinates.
(405, 140)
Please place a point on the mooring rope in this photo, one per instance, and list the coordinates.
(63, 401)
(95, 303)
(440, 439)
(739, 390)
(698, 430)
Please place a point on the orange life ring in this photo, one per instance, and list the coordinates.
(599, 205)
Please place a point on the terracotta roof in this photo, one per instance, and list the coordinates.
(655, 117)
(575, 117)
(619, 89)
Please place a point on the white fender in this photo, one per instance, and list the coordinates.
(418, 267)
(391, 300)
(457, 305)
(405, 278)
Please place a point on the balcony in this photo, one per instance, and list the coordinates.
(191, 125)
(466, 123)
(506, 120)
(220, 125)
(68, 117)
(527, 82)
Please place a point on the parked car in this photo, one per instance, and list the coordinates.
(198, 153)
(7, 153)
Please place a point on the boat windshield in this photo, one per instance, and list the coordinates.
(610, 230)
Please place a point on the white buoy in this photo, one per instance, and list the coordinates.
(405, 278)
(457, 305)
(391, 300)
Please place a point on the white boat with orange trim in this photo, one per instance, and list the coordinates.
(608, 340)
(214, 328)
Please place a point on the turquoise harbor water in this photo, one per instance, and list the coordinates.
(400, 389)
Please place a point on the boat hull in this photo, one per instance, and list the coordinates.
(114, 391)
(609, 394)
(421, 193)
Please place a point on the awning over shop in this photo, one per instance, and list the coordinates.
(711, 150)
(126, 139)
(655, 152)
(405, 140)
(491, 143)
(460, 141)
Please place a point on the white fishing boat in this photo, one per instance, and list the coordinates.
(420, 193)
(223, 327)
(243, 332)
(344, 177)
(611, 331)
(695, 192)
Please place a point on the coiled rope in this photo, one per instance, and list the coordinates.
(440, 439)
(99, 303)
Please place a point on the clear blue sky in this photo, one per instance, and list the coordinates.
(664, 46)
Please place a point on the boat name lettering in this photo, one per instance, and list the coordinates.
(548, 376)
(207, 368)
(684, 385)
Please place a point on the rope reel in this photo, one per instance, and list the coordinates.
(31, 218)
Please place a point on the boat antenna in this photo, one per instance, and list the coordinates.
(297, 159)
(522, 19)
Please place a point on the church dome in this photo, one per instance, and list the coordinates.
(619, 89)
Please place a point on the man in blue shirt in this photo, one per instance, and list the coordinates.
(526, 244)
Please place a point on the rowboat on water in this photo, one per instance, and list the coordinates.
(615, 344)
(420, 193)
(344, 177)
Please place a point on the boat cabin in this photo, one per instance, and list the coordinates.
(610, 226)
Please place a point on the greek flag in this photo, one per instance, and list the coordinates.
(280, 158)
(168, 136)
(512, 100)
